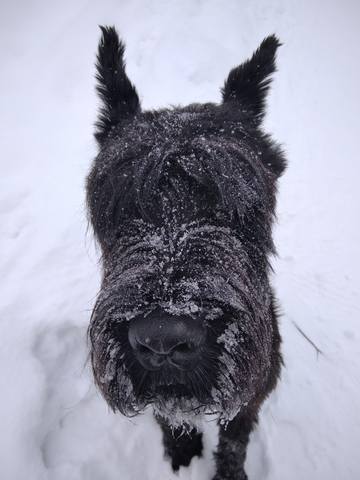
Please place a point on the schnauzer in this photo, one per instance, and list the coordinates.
(182, 202)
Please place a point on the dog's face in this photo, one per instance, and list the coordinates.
(182, 202)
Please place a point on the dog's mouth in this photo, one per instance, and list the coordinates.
(174, 390)
(178, 402)
(158, 387)
(166, 386)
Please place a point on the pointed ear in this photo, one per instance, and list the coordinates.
(119, 97)
(248, 84)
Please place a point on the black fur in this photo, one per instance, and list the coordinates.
(182, 203)
(119, 96)
(248, 84)
(180, 444)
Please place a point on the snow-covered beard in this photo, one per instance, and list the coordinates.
(203, 270)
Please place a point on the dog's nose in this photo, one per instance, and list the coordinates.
(160, 338)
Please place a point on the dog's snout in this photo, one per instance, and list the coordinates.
(160, 338)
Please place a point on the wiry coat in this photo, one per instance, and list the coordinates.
(182, 202)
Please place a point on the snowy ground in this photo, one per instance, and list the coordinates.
(53, 423)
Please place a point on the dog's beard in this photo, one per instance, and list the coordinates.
(224, 381)
(130, 388)
(178, 396)
(181, 398)
(220, 284)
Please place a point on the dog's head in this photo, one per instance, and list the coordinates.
(182, 202)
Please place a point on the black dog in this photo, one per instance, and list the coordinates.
(182, 203)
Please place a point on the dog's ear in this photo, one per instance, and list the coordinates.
(119, 97)
(248, 84)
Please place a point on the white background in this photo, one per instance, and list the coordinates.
(53, 424)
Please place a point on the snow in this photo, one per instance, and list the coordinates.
(54, 424)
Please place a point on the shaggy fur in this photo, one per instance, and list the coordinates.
(182, 203)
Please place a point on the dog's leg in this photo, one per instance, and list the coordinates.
(231, 451)
(180, 445)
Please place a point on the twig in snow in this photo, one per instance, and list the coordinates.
(317, 349)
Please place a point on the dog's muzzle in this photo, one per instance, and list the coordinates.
(161, 340)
